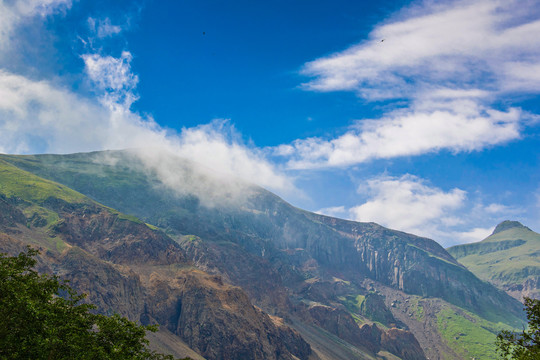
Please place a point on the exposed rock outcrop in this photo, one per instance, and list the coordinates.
(282, 256)
(126, 267)
(402, 344)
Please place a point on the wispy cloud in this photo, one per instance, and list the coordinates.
(112, 78)
(450, 63)
(334, 211)
(426, 126)
(13, 13)
(463, 43)
(46, 117)
(103, 28)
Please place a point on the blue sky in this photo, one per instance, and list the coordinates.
(421, 116)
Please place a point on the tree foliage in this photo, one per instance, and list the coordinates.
(43, 318)
(524, 346)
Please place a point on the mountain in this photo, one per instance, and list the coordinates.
(509, 258)
(131, 268)
(351, 290)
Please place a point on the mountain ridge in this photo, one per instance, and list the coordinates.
(508, 224)
(309, 268)
(120, 264)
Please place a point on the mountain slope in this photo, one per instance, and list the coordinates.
(265, 223)
(133, 269)
(340, 283)
(509, 258)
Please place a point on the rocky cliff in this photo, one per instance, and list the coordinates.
(130, 268)
(314, 271)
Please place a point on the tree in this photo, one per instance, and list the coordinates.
(43, 318)
(524, 346)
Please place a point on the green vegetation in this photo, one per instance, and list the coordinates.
(28, 187)
(416, 308)
(116, 179)
(469, 335)
(353, 303)
(524, 346)
(42, 318)
(122, 184)
(39, 216)
(33, 191)
(507, 257)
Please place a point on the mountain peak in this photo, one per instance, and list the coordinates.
(508, 224)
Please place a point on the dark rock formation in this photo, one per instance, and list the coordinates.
(374, 308)
(402, 344)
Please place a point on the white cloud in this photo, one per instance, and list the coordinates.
(103, 28)
(449, 62)
(112, 77)
(474, 235)
(407, 204)
(334, 211)
(216, 145)
(13, 13)
(410, 204)
(498, 209)
(37, 117)
(456, 42)
(210, 145)
(427, 126)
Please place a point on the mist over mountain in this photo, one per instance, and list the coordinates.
(230, 270)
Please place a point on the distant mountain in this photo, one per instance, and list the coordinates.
(351, 290)
(509, 258)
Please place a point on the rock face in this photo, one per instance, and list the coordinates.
(309, 269)
(373, 307)
(218, 321)
(341, 324)
(127, 267)
(402, 343)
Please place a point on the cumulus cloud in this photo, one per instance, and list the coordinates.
(38, 117)
(450, 63)
(407, 203)
(411, 204)
(474, 235)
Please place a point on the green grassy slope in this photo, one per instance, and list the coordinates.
(469, 335)
(40, 199)
(508, 258)
(29, 187)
